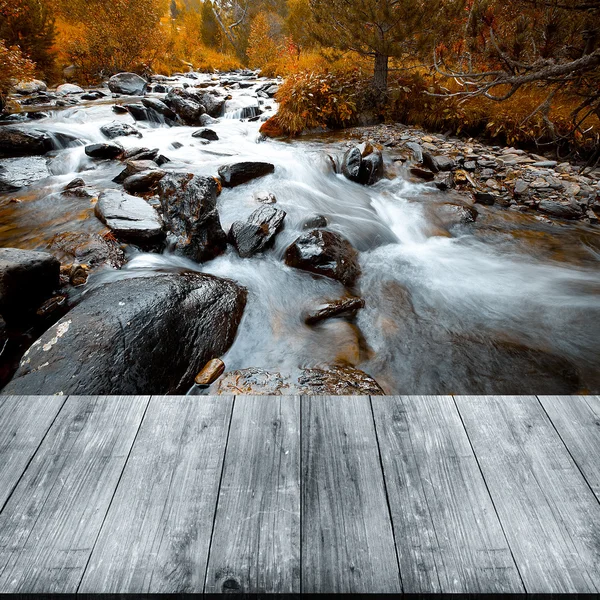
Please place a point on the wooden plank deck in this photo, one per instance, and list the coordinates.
(287, 494)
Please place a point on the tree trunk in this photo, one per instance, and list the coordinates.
(380, 79)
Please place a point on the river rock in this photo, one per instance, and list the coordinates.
(17, 141)
(331, 381)
(32, 86)
(128, 84)
(104, 150)
(239, 173)
(144, 181)
(344, 307)
(206, 134)
(27, 278)
(212, 103)
(67, 89)
(133, 167)
(147, 335)
(560, 210)
(160, 107)
(189, 206)
(437, 163)
(206, 120)
(258, 232)
(486, 198)
(187, 110)
(118, 129)
(449, 215)
(324, 253)
(129, 217)
(363, 165)
(265, 197)
(91, 249)
(424, 174)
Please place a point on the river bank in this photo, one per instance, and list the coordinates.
(432, 265)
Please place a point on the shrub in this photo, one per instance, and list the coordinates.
(14, 66)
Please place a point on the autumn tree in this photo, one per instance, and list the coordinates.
(510, 46)
(210, 27)
(120, 35)
(264, 39)
(298, 23)
(29, 26)
(380, 29)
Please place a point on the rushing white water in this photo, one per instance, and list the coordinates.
(446, 311)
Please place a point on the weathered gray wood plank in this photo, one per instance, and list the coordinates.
(448, 535)
(549, 514)
(347, 538)
(256, 541)
(51, 521)
(577, 420)
(24, 421)
(156, 536)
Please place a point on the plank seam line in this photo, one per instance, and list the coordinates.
(568, 450)
(387, 497)
(212, 531)
(301, 480)
(34, 454)
(490, 495)
(87, 563)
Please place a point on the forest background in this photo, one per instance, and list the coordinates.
(518, 72)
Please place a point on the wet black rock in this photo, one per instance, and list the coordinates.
(450, 215)
(27, 278)
(118, 129)
(258, 232)
(139, 112)
(75, 183)
(486, 198)
(128, 84)
(129, 218)
(144, 181)
(188, 110)
(119, 110)
(212, 103)
(363, 165)
(17, 141)
(189, 206)
(148, 335)
(140, 154)
(159, 107)
(239, 173)
(206, 134)
(316, 222)
(324, 253)
(344, 307)
(569, 210)
(104, 150)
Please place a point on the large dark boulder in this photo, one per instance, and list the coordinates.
(213, 104)
(107, 151)
(258, 232)
(27, 278)
(325, 253)
(130, 218)
(147, 335)
(189, 205)
(128, 84)
(188, 110)
(17, 141)
(117, 129)
(363, 164)
(160, 107)
(236, 174)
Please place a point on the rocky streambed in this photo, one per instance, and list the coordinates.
(148, 227)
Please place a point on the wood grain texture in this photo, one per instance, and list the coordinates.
(157, 533)
(549, 514)
(256, 540)
(24, 421)
(347, 538)
(448, 535)
(577, 420)
(52, 519)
